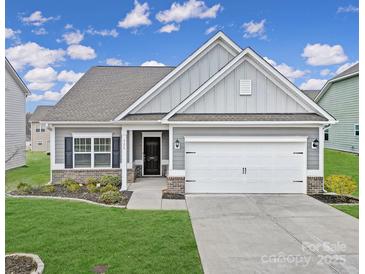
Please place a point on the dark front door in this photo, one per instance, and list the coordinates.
(152, 156)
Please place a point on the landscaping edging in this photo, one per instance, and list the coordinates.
(36, 259)
(63, 198)
(336, 199)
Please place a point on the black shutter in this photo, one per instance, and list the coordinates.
(116, 152)
(68, 152)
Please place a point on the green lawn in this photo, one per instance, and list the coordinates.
(73, 237)
(352, 210)
(342, 163)
(36, 172)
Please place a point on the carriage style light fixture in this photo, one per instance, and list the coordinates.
(315, 144)
(177, 144)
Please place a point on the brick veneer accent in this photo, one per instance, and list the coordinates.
(81, 175)
(314, 185)
(176, 184)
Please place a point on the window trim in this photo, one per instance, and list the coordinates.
(40, 128)
(358, 130)
(92, 136)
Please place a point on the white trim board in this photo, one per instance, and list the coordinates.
(305, 101)
(246, 139)
(220, 36)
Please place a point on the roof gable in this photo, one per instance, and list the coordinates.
(40, 113)
(16, 77)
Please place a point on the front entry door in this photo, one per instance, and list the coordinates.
(152, 151)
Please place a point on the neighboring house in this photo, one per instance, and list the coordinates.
(15, 96)
(223, 121)
(39, 131)
(340, 97)
(311, 93)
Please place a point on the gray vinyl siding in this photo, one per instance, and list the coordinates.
(61, 133)
(15, 136)
(137, 145)
(225, 96)
(39, 137)
(189, 81)
(342, 101)
(179, 133)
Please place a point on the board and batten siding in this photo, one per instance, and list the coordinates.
(342, 101)
(180, 133)
(137, 145)
(15, 135)
(225, 96)
(61, 133)
(187, 82)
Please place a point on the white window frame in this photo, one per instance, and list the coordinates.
(358, 130)
(40, 128)
(92, 136)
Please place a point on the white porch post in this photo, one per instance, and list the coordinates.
(124, 158)
(321, 150)
(52, 148)
(130, 148)
(171, 147)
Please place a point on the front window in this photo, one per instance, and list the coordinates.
(357, 130)
(92, 152)
(326, 134)
(40, 128)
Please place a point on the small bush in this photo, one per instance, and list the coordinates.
(68, 181)
(48, 188)
(24, 188)
(73, 187)
(108, 187)
(91, 188)
(111, 197)
(112, 180)
(340, 184)
(92, 181)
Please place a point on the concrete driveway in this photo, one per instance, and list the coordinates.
(273, 234)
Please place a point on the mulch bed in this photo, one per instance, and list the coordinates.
(330, 198)
(172, 196)
(61, 191)
(19, 265)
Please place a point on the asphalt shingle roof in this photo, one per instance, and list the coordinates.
(350, 70)
(105, 92)
(40, 113)
(311, 93)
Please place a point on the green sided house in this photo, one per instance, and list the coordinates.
(223, 121)
(340, 97)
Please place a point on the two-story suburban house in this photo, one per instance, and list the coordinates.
(340, 97)
(39, 131)
(15, 97)
(222, 121)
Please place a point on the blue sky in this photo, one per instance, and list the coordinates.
(52, 43)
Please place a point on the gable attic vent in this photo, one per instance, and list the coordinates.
(245, 87)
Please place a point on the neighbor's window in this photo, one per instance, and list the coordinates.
(326, 134)
(82, 152)
(39, 143)
(40, 128)
(357, 131)
(92, 152)
(102, 152)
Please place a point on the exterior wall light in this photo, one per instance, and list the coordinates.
(177, 144)
(315, 144)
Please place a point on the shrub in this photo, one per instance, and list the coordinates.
(91, 188)
(68, 181)
(92, 181)
(111, 197)
(340, 184)
(73, 187)
(109, 179)
(108, 187)
(24, 188)
(48, 188)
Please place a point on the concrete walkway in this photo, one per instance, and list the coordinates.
(147, 194)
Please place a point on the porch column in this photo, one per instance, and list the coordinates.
(124, 158)
(130, 148)
(171, 140)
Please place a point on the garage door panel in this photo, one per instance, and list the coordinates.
(246, 167)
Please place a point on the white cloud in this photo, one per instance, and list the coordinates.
(255, 29)
(69, 76)
(325, 72)
(349, 8)
(40, 31)
(50, 95)
(313, 84)
(152, 63)
(72, 38)
(137, 17)
(103, 32)
(324, 54)
(345, 67)
(37, 19)
(188, 10)
(69, 26)
(169, 28)
(115, 62)
(288, 71)
(211, 29)
(41, 75)
(33, 55)
(40, 86)
(11, 34)
(81, 52)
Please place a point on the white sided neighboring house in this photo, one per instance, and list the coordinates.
(223, 121)
(340, 97)
(39, 132)
(15, 98)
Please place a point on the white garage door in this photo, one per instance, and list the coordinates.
(245, 164)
